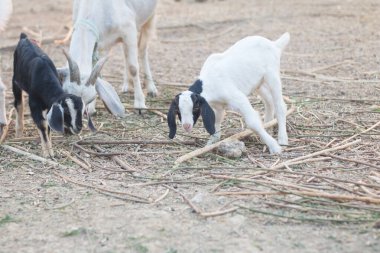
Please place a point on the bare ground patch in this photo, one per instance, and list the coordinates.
(143, 203)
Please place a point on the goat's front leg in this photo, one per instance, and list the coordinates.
(131, 56)
(19, 105)
(3, 118)
(219, 116)
(43, 129)
(253, 121)
(146, 33)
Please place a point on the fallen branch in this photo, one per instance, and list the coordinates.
(32, 156)
(162, 196)
(250, 193)
(76, 160)
(140, 142)
(237, 136)
(100, 153)
(198, 210)
(124, 198)
(296, 173)
(363, 132)
(314, 219)
(353, 160)
(124, 165)
(321, 152)
(310, 193)
(142, 199)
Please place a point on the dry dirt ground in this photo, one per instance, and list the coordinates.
(331, 69)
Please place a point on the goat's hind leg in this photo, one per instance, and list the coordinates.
(274, 84)
(131, 56)
(253, 121)
(19, 105)
(266, 96)
(147, 32)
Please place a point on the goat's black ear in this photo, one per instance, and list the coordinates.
(90, 123)
(208, 116)
(196, 114)
(55, 118)
(171, 118)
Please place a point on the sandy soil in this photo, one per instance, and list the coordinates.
(45, 209)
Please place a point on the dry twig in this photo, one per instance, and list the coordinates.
(237, 136)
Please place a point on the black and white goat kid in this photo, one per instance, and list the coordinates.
(36, 74)
(226, 80)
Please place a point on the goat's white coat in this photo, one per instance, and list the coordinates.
(6, 8)
(112, 22)
(5, 13)
(252, 64)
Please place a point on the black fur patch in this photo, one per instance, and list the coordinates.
(173, 111)
(56, 119)
(197, 87)
(78, 106)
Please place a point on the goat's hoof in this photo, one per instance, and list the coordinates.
(140, 111)
(152, 94)
(276, 150)
(283, 142)
(139, 108)
(124, 89)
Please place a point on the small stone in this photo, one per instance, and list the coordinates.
(233, 149)
(377, 225)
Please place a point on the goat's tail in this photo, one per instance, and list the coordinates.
(283, 41)
(23, 36)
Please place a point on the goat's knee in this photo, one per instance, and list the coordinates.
(45, 136)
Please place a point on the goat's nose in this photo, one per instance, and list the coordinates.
(187, 127)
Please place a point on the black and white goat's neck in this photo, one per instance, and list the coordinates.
(227, 79)
(35, 73)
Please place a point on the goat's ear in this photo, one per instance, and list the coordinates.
(63, 74)
(196, 114)
(171, 118)
(208, 116)
(55, 118)
(109, 97)
(90, 123)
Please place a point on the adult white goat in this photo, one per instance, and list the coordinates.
(5, 13)
(99, 25)
(226, 80)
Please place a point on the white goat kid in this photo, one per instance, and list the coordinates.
(5, 13)
(226, 79)
(99, 25)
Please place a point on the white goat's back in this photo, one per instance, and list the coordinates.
(5, 12)
(244, 64)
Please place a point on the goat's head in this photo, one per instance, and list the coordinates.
(66, 114)
(87, 87)
(189, 106)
